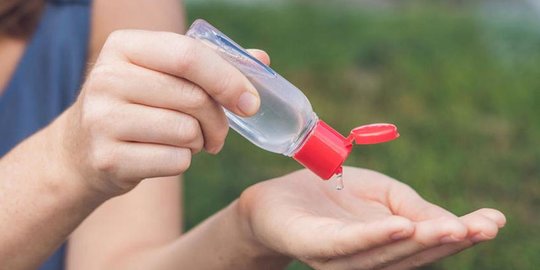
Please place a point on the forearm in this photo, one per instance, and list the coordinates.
(40, 204)
(223, 241)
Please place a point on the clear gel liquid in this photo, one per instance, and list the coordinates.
(285, 116)
(339, 181)
(283, 120)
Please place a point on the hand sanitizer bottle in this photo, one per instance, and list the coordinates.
(285, 122)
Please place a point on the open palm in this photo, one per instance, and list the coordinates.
(374, 223)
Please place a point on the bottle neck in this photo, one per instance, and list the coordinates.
(304, 134)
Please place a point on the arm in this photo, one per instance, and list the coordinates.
(40, 202)
(102, 146)
(223, 241)
(41, 206)
(141, 229)
(150, 215)
(376, 223)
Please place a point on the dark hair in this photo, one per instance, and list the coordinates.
(18, 18)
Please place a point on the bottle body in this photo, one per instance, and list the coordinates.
(285, 116)
(285, 122)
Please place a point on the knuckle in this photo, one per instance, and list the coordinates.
(98, 118)
(105, 160)
(182, 161)
(102, 77)
(92, 120)
(450, 225)
(227, 85)
(197, 147)
(223, 128)
(222, 135)
(188, 56)
(217, 139)
(196, 98)
(117, 37)
(189, 128)
(90, 117)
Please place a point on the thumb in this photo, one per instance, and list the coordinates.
(260, 55)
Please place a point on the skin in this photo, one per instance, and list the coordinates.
(11, 52)
(127, 227)
(376, 222)
(88, 166)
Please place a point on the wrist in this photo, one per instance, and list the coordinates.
(64, 168)
(251, 243)
(71, 154)
(41, 203)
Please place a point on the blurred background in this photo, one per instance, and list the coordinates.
(461, 79)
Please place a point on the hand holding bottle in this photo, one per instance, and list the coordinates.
(152, 100)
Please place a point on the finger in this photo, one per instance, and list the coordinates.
(137, 123)
(406, 202)
(428, 234)
(135, 161)
(430, 256)
(261, 55)
(187, 58)
(477, 224)
(400, 198)
(339, 239)
(480, 227)
(152, 88)
(495, 215)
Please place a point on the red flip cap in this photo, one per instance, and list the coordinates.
(325, 149)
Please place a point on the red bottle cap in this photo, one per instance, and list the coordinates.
(325, 149)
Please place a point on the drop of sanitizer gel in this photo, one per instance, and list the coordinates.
(285, 122)
(339, 181)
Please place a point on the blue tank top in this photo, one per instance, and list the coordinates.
(47, 79)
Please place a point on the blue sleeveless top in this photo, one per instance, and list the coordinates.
(47, 79)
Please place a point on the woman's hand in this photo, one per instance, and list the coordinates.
(151, 101)
(374, 223)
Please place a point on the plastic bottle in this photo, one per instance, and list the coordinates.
(285, 122)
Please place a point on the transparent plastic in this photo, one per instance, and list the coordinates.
(285, 116)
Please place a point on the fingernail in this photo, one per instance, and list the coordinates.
(216, 150)
(449, 239)
(256, 50)
(248, 103)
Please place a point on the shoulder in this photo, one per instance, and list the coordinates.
(108, 16)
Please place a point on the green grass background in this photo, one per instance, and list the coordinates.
(462, 82)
